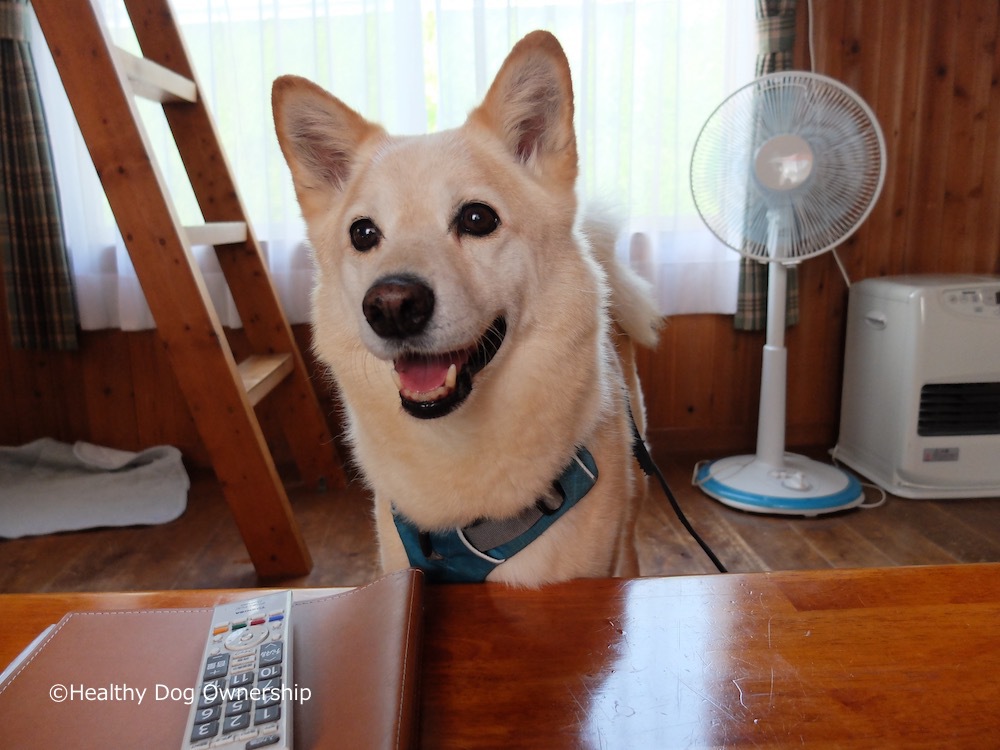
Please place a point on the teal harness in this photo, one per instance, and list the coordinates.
(469, 554)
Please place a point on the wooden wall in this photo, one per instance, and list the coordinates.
(118, 390)
(929, 70)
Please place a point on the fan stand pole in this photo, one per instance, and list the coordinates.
(774, 366)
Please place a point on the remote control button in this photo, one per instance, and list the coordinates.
(237, 707)
(246, 660)
(241, 679)
(204, 731)
(211, 713)
(269, 692)
(209, 696)
(216, 666)
(234, 723)
(270, 653)
(269, 672)
(245, 638)
(267, 714)
(268, 739)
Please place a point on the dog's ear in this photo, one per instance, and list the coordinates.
(319, 135)
(530, 107)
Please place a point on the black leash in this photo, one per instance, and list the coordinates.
(650, 468)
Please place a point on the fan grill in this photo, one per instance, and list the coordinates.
(846, 175)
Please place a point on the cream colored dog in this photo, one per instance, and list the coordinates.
(480, 332)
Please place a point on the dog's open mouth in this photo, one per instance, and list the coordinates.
(433, 385)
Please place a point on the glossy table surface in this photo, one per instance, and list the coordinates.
(899, 657)
(905, 657)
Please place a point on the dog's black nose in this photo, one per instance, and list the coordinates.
(397, 307)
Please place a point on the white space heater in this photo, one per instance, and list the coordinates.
(920, 409)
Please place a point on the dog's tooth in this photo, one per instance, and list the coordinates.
(397, 380)
(452, 377)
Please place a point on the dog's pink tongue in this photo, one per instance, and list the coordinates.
(423, 374)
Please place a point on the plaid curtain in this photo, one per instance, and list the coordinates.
(775, 38)
(39, 290)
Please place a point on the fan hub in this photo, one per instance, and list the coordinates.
(783, 162)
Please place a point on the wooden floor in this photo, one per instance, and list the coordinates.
(202, 549)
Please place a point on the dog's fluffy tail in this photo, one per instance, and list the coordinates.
(631, 303)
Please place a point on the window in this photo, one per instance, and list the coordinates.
(647, 73)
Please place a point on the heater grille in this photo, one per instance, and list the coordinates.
(959, 409)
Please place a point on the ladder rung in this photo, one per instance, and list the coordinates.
(152, 81)
(217, 233)
(260, 374)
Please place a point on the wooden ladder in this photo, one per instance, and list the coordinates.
(101, 81)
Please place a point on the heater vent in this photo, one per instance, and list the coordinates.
(959, 409)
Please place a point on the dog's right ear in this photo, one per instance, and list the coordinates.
(319, 135)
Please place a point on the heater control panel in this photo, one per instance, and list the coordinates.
(978, 301)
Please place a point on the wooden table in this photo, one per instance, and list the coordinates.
(900, 657)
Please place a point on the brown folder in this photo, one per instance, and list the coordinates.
(121, 675)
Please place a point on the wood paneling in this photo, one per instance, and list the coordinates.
(929, 70)
(118, 390)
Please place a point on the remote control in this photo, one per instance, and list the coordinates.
(243, 694)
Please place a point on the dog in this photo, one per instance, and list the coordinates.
(478, 329)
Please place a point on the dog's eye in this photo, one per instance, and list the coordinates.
(477, 219)
(364, 235)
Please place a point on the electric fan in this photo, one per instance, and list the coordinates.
(784, 169)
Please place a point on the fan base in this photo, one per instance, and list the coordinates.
(800, 487)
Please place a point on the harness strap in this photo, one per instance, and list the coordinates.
(468, 554)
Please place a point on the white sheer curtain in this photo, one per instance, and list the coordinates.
(646, 74)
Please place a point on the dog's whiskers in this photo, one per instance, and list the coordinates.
(493, 338)
(363, 362)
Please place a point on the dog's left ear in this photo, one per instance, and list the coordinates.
(530, 107)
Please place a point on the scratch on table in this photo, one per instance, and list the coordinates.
(737, 684)
(743, 695)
